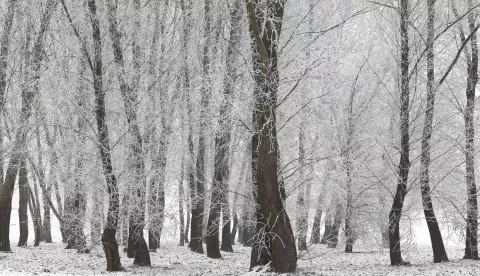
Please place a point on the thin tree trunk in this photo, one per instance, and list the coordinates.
(159, 153)
(315, 236)
(240, 186)
(471, 237)
(327, 233)
(46, 189)
(24, 195)
(337, 222)
(222, 144)
(439, 253)
(302, 207)
(109, 233)
(28, 95)
(181, 196)
(404, 164)
(196, 187)
(35, 218)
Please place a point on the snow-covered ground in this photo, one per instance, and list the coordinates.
(170, 259)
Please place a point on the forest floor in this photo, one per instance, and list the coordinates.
(52, 259)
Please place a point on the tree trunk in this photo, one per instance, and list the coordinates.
(181, 196)
(317, 220)
(302, 207)
(233, 234)
(271, 214)
(348, 165)
(222, 144)
(35, 218)
(46, 189)
(404, 164)
(24, 195)
(328, 229)
(439, 253)
(109, 241)
(4, 52)
(129, 96)
(337, 223)
(196, 185)
(96, 219)
(28, 95)
(315, 236)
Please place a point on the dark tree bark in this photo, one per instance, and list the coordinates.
(471, 237)
(34, 206)
(439, 253)
(109, 241)
(404, 164)
(159, 153)
(196, 186)
(18, 149)
(24, 195)
(222, 146)
(271, 215)
(4, 52)
(46, 189)
(129, 96)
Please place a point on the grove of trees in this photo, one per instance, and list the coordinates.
(279, 125)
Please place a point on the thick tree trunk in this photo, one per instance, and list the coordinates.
(439, 253)
(404, 164)
(24, 195)
(28, 95)
(271, 214)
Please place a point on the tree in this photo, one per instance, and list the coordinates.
(404, 164)
(265, 24)
(439, 253)
(110, 245)
(471, 57)
(222, 147)
(23, 201)
(18, 150)
(129, 96)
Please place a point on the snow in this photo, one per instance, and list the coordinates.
(170, 259)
